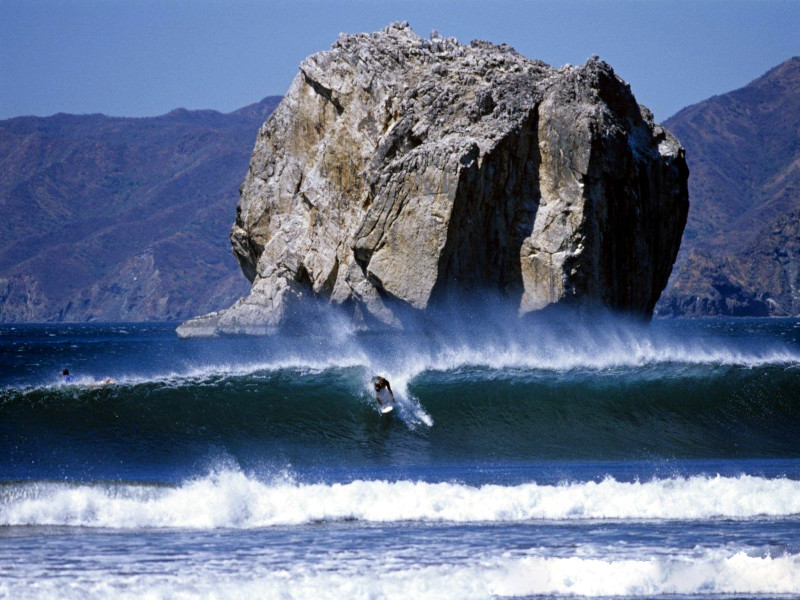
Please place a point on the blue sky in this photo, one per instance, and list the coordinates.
(146, 57)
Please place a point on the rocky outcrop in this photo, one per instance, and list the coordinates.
(400, 174)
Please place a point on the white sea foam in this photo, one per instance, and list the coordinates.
(711, 573)
(714, 572)
(232, 500)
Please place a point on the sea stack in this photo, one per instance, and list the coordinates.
(400, 174)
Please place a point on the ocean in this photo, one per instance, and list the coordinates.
(576, 457)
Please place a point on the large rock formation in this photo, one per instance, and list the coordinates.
(399, 174)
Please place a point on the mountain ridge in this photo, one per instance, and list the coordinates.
(743, 151)
(84, 195)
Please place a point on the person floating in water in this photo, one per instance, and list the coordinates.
(383, 391)
(66, 377)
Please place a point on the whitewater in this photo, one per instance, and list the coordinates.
(233, 500)
(569, 458)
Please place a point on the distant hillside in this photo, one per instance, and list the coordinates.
(119, 219)
(741, 248)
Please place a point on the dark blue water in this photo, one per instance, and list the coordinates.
(601, 459)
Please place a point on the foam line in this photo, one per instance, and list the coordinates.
(714, 572)
(232, 500)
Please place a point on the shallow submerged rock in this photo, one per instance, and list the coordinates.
(401, 174)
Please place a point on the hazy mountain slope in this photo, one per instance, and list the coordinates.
(107, 218)
(743, 151)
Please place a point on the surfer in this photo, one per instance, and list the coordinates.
(383, 390)
(67, 378)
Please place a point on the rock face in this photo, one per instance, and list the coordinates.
(401, 174)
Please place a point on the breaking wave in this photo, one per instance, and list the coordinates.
(562, 390)
(230, 499)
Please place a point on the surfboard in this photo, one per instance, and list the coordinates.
(385, 410)
(103, 383)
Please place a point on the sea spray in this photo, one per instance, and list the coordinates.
(557, 346)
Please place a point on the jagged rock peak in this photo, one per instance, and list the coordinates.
(400, 174)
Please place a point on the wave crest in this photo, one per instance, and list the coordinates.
(232, 500)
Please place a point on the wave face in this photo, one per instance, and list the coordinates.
(295, 417)
(606, 392)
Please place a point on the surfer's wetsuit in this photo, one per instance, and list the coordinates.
(383, 390)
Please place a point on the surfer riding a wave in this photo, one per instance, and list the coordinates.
(383, 394)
